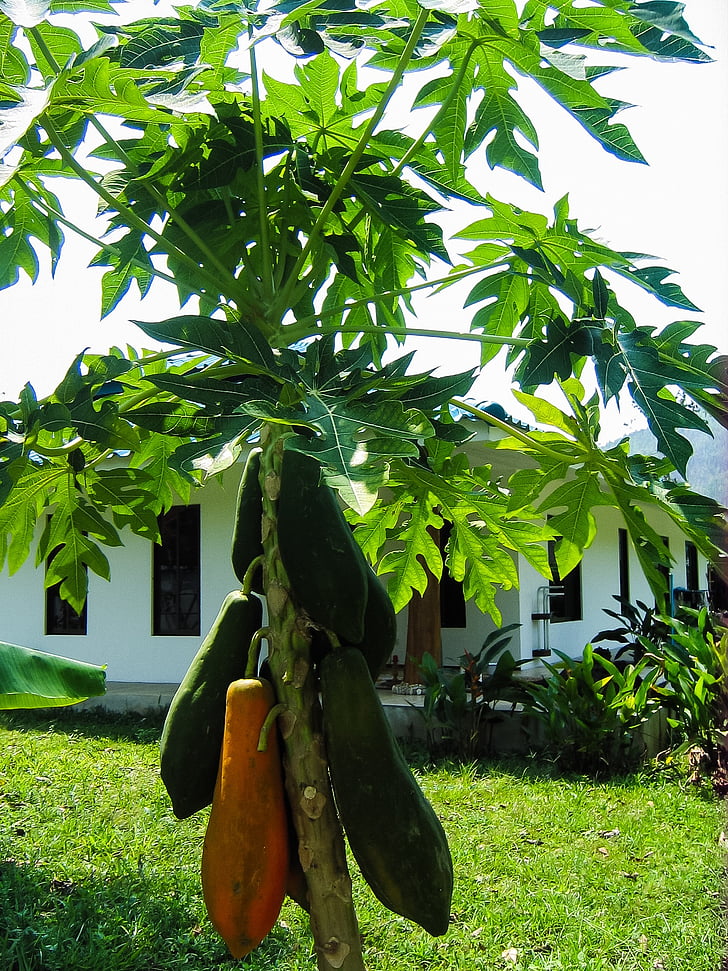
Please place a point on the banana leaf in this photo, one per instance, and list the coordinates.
(34, 679)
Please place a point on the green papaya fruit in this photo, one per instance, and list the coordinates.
(395, 836)
(193, 729)
(325, 565)
(380, 626)
(247, 543)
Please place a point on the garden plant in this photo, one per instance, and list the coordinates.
(460, 708)
(297, 219)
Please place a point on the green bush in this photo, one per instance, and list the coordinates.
(691, 671)
(591, 711)
(460, 709)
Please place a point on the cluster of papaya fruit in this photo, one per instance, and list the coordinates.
(219, 744)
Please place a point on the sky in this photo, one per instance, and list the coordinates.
(675, 208)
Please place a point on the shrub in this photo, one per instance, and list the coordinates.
(591, 711)
(460, 709)
(691, 683)
(637, 622)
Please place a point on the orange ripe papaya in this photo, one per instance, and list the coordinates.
(245, 855)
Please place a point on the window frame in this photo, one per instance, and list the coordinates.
(692, 576)
(71, 623)
(180, 574)
(624, 578)
(453, 609)
(570, 602)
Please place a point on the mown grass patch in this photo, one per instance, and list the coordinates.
(552, 872)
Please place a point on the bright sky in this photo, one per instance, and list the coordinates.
(676, 209)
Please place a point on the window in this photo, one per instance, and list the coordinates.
(564, 592)
(60, 617)
(718, 589)
(176, 573)
(623, 539)
(452, 599)
(692, 581)
(665, 603)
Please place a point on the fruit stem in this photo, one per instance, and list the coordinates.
(254, 651)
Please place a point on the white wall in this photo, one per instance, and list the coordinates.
(119, 613)
(600, 584)
(119, 624)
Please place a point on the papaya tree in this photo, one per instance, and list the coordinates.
(256, 158)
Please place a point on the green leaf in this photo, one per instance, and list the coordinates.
(355, 441)
(555, 356)
(100, 87)
(128, 494)
(62, 43)
(499, 113)
(222, 338)
(570, 515)
(220, 397)
(648, 374)
(33, 679)
(415, 550)
(665, 14)
(177, 418)
(652, 279)
(68, 567)
(23, 506)
(434, 392)
(129, 262)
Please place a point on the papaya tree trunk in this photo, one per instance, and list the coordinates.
(424, 631)
(321, 848)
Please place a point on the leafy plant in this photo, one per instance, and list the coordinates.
(692, 666)
(591, 711)
(36, 679)
(638, 623)
(460, 708)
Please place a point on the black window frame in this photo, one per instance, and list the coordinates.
(60, 619)
(623, 545)
(565, 593)
(692, 574)
(666, 572)
(176, 574)
(453, 609)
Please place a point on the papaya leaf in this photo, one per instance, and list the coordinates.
(354, 442)
(434, 392)
(69, 568)
(222, 338)
(129, 262)
(648, 374)
(652, 279)
(569, 508)
(665, 14)
(177, 418)
(565, 342)
(414, 549)
(34, 679)
(126, 493)
(23, 506)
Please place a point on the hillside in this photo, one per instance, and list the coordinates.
(707, 470)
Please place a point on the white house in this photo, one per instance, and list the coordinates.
(148, 622)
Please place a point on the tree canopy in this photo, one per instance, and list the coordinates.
(297, 215)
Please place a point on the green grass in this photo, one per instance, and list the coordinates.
(552, 873)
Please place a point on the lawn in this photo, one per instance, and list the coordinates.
(552, 872)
